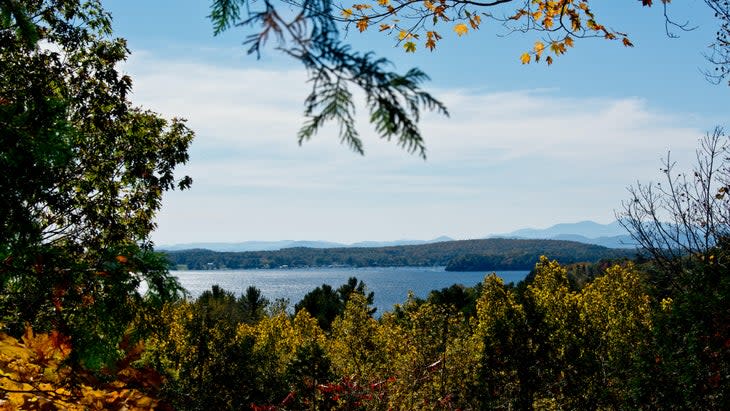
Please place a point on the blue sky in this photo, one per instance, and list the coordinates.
(525, 146)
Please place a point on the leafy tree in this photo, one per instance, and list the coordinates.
(684, 224)
(205, 362)
(355, 348)
(463, 299)
(253, 303)
(83, 175)
(325, 304)
(505, 377)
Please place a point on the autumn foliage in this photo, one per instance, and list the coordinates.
(559, 22)
(34, 375)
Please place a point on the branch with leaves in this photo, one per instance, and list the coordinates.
(394, 101)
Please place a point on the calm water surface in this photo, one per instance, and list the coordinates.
(391, 284)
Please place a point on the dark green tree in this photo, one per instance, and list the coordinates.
(83, 176)
(325, 304)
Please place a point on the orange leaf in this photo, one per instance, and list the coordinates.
(461, 29)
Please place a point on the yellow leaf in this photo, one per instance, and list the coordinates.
(430, 44)
(627, 42)
(347, 13)
(548, 23)
(474, 21)
(539, 47)
(427, 4)
(568, 41)
(549, 60)
(361, 6)
(383, 2)
(461, 29)
(362, 24)
(384, 27)
(410, 47)
(557, 48)
(525, 58)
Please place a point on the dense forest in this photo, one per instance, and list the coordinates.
(467, 255)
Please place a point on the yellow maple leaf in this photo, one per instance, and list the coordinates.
(461, 29)
(410, 47)
(402, 35)
(362, 24)
(347, 13)
(568, 41)
(539, 47)
(383, 2)
(525, 58)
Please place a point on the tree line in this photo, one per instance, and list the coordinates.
(465, 255)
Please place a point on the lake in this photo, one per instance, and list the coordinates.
(390, 284)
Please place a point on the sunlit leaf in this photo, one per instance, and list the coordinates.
(461, 29)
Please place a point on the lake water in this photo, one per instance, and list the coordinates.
(390, 284)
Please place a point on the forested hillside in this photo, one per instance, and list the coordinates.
(468, 255)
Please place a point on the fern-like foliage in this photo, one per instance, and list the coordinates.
(394, 101)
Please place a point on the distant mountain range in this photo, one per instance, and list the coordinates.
(280, 245)
(611, 235)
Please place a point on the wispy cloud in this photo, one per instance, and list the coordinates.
(503, 160)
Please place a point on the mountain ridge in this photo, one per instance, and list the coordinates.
(284, 244)
(611, 235)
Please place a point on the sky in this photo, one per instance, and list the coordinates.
(524, 146)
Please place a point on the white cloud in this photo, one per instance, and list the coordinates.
(503, 160)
